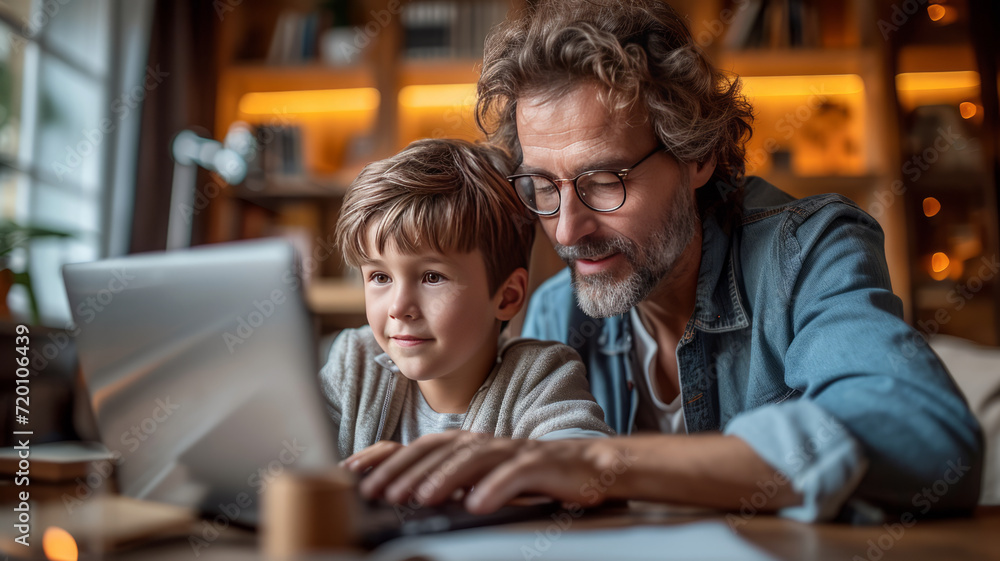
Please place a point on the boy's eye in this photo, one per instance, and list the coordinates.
(433, 278)
(380, 278)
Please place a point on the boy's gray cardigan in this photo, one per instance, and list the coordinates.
(535, 389)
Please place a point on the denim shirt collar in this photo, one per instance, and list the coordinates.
(719, 304)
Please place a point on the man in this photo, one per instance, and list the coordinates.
(750, 341)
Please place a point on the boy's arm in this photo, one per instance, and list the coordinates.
(330, 377)
(342, 384)
(553, 399)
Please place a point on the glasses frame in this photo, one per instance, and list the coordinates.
(622, 175)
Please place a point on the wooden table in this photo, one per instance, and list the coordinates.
(976, 538)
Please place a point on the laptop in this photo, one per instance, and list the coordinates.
(202, 371)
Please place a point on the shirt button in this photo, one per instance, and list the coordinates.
(630, 385)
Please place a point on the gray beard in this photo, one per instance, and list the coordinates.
(600, 295)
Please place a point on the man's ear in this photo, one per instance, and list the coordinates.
(701, 172)
(510, 295)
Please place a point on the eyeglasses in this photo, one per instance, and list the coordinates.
(602, 190)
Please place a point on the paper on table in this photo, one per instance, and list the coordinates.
(702, 541)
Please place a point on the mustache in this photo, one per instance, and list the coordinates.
(594, 249)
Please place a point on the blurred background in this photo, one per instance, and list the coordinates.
(138, 125)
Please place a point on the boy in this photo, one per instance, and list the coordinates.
(442, 243)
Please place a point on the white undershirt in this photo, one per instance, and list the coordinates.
(652, 415)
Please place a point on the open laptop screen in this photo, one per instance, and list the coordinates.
(201, 369)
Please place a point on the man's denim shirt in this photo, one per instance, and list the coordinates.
(797, 346)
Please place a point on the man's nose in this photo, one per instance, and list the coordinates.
(575, 220)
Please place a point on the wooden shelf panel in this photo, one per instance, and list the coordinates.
(793, 62)
(937, 58)
(439, 71)
(299, 186)
(335, 296)
(268, 77)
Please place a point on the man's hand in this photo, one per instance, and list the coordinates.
(705, 470)
(434, 466)
(372, 456)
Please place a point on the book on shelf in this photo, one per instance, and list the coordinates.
(279, 150)
(778, 24)
(295, 38)
(449, 28)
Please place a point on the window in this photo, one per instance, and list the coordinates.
(69, 120)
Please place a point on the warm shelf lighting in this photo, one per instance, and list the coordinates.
(438, 95)
(967, 109)
(939, 262)
(935, 12)
(932, 206)
(914, 81)
(309, 101)
(820, 84)
(59, 545)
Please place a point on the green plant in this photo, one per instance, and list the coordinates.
(13, 236)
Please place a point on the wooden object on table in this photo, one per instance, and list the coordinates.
(309, 512)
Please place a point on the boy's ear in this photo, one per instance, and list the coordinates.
(511, 294)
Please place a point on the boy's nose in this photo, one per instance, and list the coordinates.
(403, 305)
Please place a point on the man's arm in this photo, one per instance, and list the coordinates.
(878, 419)
(707, 470)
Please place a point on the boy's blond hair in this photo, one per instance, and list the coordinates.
(439, 194)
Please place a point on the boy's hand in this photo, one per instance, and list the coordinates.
(362, 461)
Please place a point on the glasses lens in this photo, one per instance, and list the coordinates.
(601, 190)
(538, 193)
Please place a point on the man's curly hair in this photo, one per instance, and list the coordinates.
(640, 53)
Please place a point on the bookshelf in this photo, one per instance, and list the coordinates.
(895, 87)
(817, 74)
(824, 79)
(947, 108)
